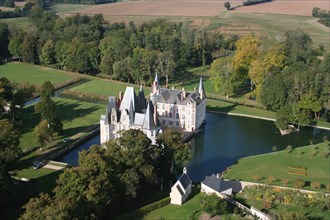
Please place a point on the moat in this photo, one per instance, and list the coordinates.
(224, 139)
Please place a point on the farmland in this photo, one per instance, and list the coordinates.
(269, 19)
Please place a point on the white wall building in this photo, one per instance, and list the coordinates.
(181, 189)
(216, 184)
(168, 108)
(179, 108)
(129, 112)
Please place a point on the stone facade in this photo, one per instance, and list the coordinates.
(180, 109)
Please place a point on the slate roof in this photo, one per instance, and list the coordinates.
(184, 180)
(218, 184)
(172, 96)
(130, 96)
(142, 98)
(201, 89)
(148, 122)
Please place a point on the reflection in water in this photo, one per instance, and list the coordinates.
(224, 139)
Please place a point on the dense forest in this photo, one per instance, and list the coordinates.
(123, 52)
(288, 77)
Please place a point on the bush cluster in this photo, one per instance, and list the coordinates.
(84, 96)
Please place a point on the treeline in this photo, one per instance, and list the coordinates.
(254, 2)
(123, 52)
(288, 77)
(17, 12)
(324, 16)
(85, 2)
(109, 178)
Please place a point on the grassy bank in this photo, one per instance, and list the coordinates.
(75, 116)
(106, 87)
(23, 72)
(277, 164)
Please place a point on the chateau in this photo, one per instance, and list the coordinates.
(182, 109)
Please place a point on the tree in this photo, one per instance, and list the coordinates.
(174, 149)
(42, 133)
(247, 51)
(273, 59)
(47, 108)
(222, 75)
(4, 40)
(284, 117)
(299, 183)
(9, 149)
(29, 49)
(47, 55)
(15, 43)
(227, 5)
(213, 205)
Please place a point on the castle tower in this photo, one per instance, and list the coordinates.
(201, 89)
(155, 87)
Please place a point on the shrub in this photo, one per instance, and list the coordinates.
(316, 185)
(271, 179)
(285, 182)
(289, 148)
(153, 206)
(287, 199)
(299, 183)
(274, 148)
(257, 177)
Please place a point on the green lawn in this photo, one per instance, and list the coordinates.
(21, 23)
(67, 8)
(23, 72)
(75, 116)
(106, 87)
(276, 164)
(226, 107)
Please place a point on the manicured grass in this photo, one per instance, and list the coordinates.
(276, 164)
(75, 116)
(107, 87)
(23, 72)
(66, 8)
(184, 211)
(226, 107)
(21, 23)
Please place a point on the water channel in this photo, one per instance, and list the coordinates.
(224, 139)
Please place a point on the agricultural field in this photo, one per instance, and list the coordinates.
(64, 8)
(23, 72)
(281, 165)
(268, 19)
(159, 8)
(287, 7)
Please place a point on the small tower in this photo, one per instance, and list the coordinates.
(155, 85)
(201, 89)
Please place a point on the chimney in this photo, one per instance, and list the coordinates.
(185, 170)
(183, 96)
(121, 96)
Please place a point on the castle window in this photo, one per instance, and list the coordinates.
(170, 122)
(170, 114)
(183, 116)
(177, 123)
(163, 106)
(177, 115)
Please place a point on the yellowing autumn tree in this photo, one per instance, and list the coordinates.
(247, 51)
(274, 58)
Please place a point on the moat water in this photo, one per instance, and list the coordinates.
(225, 139)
